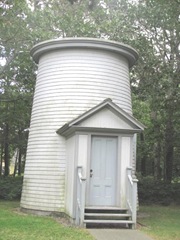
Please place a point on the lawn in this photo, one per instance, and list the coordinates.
(15, 225)
(160, 222)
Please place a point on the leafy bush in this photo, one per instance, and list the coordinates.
(10, 188)
(158, 192)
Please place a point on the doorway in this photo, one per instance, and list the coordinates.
(103, 171)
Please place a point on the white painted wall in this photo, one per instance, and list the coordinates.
(70, 81)
(70, 175)
(106, 119)
(125, 161)
(82, 156)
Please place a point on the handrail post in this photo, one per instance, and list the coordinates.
(82, 201)
(81, 188)
(128, 188)
(134, 202)
(129, 170)
(132, 195)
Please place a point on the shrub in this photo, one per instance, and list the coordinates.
(158, 192)
(10, 188)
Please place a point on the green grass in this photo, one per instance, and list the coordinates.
(15, 225)
(160, 222)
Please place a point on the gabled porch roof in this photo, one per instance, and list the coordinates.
(127, 123)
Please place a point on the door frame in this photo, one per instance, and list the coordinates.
(117, 191)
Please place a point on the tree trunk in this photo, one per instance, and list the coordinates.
(19, 162)
(156, 169)
(143, 157)
(6, 149)
(1, 161)
(157, 161)
(15, 164)
(169, 148)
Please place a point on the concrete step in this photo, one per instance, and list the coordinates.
(107, 216)
(107, 210)
(109, 221)
(105, 207)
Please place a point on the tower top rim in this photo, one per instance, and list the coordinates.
(84, 43)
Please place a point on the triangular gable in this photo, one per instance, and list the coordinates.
(106, 116)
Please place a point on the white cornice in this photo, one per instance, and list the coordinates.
(84, 43)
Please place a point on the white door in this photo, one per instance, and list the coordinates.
(103, 171)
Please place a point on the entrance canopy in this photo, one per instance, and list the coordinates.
(105, 117)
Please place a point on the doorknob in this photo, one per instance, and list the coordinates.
(91, 172)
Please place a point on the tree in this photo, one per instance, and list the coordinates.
(24, 24)
(15, 84)
(149, 26)
(157, 76)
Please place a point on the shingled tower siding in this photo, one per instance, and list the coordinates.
(74, 75)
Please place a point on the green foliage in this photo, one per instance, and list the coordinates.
(10, 188)
(155, 81)
(151, 27)
(157, 192)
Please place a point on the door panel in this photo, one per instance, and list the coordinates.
(103, 171)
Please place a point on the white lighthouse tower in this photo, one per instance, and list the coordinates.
(76, 77)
